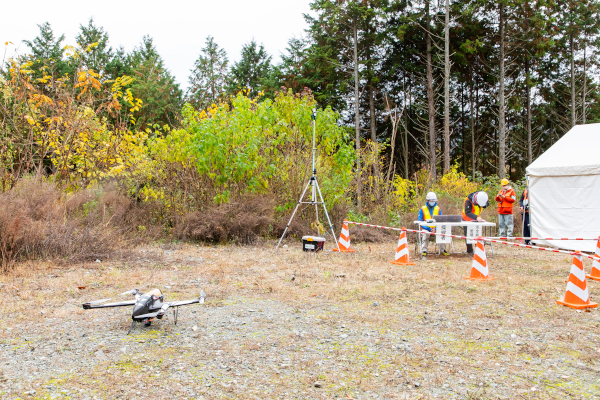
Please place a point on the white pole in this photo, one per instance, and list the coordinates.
(314, 118)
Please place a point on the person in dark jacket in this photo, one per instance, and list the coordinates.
(473, 206)
(524, 206)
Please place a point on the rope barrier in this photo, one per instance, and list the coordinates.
(489, 239)
(409, 230)
(541, 248)
(533, 238)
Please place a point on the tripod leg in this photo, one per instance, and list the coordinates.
(317, 213)
(175, 315)
(327, 215)
(293, 214)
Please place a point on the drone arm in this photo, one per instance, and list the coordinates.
(182, 303)
(87, 306)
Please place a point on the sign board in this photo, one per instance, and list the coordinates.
(445, 229)
(473, 231)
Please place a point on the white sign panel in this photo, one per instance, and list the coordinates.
(473, 231)
(444, 229)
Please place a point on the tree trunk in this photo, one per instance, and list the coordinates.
(374, 130)
(406, 171)
(528, 105)
(462, 128)
(372, 117)
(372, 114)
(501, 116)
(430, 99)
(583, 111)
(447, 90)
(472, 115)
(573, 106)
(357, 119)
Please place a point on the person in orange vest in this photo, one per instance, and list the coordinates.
(429, 211)
(473, 206)
(524, 206)
(506, 198)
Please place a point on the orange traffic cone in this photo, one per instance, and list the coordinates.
(479, 268)
(577, 295)
(344, 241)
(402, 256)
(595, 275)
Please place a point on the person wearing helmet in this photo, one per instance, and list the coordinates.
(524, 206)
(473, 206)
(506, 198)
(429, 211)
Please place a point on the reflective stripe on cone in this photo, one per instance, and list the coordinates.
(576, 295)
(479, 267)
(344, 241)
(402, 257)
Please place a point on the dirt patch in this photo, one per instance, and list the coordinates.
(291, 325)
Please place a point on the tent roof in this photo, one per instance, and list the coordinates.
(576, 153)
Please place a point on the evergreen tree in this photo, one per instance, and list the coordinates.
(94, 50)
(254, 71)
(208, 78)
(48, 53)
(154, 85)
(117, 65)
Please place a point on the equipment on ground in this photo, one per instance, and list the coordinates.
(312, 243)
(146, 306)
(314, 185)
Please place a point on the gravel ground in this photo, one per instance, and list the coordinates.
(290, 326)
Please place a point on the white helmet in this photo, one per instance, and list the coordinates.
(431, 197)
(481, 198)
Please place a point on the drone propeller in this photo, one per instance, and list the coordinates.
(133, 291)
(99, 301)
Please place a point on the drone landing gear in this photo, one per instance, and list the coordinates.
(175, 314)
(148, 323)
(131, 327)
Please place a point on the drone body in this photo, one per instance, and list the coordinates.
(146, 306)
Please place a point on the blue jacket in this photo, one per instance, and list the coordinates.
(422, 218)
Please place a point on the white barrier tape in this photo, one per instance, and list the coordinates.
(408, 230)
(488, 239)
(533, 238)
(528, 246)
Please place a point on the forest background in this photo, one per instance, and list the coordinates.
(450, 96)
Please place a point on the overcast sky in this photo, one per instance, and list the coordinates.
(179, 28)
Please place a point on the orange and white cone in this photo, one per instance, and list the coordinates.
(577, 295)
(344, 241)
(479, 267)
(595, 275)
(402, 256)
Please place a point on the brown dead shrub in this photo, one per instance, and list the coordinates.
(37, 220)
(242, 221)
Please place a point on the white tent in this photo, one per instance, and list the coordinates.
(564, 190)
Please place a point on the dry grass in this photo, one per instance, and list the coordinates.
(39, 221)
(411, 332)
